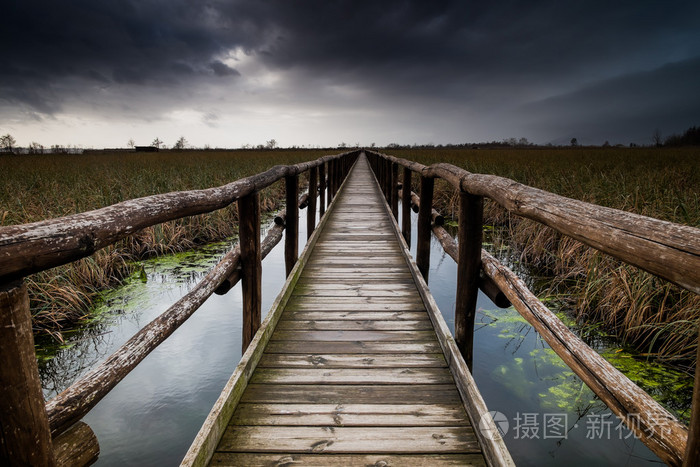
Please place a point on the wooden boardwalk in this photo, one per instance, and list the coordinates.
(353, 372)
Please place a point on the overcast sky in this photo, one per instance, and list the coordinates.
(226, 73)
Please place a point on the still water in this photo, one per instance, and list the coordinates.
(549, 416)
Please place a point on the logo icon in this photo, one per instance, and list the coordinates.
(493, 425)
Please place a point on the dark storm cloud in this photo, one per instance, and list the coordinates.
(443, 54)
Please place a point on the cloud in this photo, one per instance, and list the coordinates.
(500, 67)
(221, 69)
(633, 104)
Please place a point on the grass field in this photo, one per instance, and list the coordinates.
(37, 187)
(657, 318)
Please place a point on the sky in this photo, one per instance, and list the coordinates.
(229, 73)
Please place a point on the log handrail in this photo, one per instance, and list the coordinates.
(29, 248)
(666, 249)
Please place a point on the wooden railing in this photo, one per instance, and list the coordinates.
(33, 432)
(670, 251)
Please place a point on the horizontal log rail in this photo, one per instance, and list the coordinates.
(668, 250)
(30, 248)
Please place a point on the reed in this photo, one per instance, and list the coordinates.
(657, 318)
(37, 187)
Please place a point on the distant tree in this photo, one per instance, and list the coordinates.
(36, 148)
(574, 142)
(691, 137)
(272, 144)
(656, 138)
(131, 144)
(606, 144)
(7, 142)
(180, 143)
(157, 143)
(523, 142)
(342, 146)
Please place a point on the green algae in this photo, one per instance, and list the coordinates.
(558, 387)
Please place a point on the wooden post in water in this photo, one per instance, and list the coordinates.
(311, 209)
(251, 266)
(471, 213)
(291, 231)
(406, 206)
(395, 190)
(424, 227)
(692, 449)
(25, 438)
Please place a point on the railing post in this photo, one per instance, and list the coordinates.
(424, 227)
(395, 190)
(406, 206)
(25, 437)
(471, 213)
(331, 180)
(291, 231)
(311, 209)
(322, 188)
(251, 266)
(387, 181)
(692, 449)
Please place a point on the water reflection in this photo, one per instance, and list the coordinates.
(152, 416)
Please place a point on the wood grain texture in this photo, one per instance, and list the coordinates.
(354, 367)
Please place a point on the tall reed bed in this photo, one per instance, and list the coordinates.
(38, 187)
(656, 317)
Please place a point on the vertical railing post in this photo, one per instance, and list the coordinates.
(471, 212)
(406, 206)
(395, 190)
(291, 229)
(322, 188)
(692, 448)
(25, 437)
(387, 181)
(251, 266)
(311, 209)
(424, 225)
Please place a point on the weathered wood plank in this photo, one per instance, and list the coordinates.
(393, 316)
(350, 415)
(356, 347)
(352, 376)
(352, 394)
(324, 460)
(346, 325)
(270, 360)
(352, 336)
(386, 440)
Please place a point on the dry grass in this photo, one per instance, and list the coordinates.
(660, 319)
(37, 187)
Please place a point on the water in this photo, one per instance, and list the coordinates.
(152, 416)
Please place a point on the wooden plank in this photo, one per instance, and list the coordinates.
(357, 347)
(352, 376)
(204, 444)
(270, 360)
(350, 415)
(393, 316)
(352, 394)
(352, 336)
(360, 460)
(346, 325)
(339, 306)
(385, 440)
